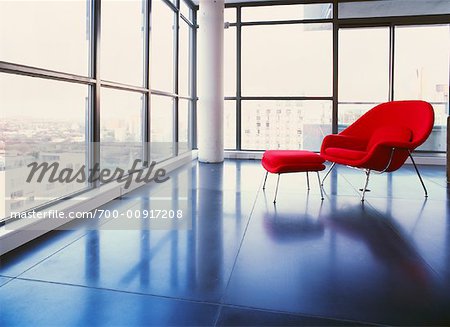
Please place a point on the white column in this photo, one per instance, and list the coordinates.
(210, 81)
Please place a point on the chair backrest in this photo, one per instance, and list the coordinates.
(415, 115)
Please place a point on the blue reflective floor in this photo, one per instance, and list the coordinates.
(245, 261)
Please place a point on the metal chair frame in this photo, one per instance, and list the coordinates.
(368, 171)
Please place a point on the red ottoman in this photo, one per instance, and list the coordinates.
(292, 161)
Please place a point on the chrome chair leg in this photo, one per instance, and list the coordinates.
(265, 179)
(328, 172)
(307, 181)
(365, 186)
(418, 174)
(320, 186)
(276, 189)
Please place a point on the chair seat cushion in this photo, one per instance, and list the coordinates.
(288, 161)
(345, 153)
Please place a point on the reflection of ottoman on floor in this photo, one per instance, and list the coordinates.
(292, 161)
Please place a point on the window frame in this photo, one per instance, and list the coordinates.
(338, 23)
(95, 83)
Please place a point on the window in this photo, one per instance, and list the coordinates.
(47, 34)
(285, 124)
(230, 61)
(162, 47)
(56, 132)
(302, 68)
(183, 125)
(287, 12)
(363, 52)
(284, 61)
(284, 65)
(123, 41)
(121, 128)
(184, 59)
(383, 8)
(161, 118)
(229, 127)
(186, 11)
(51, 115)
(230, 15)
(424, 75)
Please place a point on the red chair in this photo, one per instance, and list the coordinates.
(382, 139)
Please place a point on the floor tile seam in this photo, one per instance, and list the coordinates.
(108, 289)
(258, 192)
(412, 172)
(52, 254)
(370, 195)
(375, 196)
(431, 180)
(294, 313)
(7, 276)
(219, 305)
(352, 187)
(219, 313)
(10, 279)
(438, 275)
(83, 234)
(211, 303)
(379, 214)
(355, 188)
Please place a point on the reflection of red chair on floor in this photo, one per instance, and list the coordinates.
(384, 240)
(382, 139)
(287, 227)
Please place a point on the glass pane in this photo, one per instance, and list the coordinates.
(184, 59)
(162, 47)
(364, 64)
(121, 129)
(381, 8)
(123, 41)
(183, 125)
(48, 125)
(229, 127)
(162, 127)
(46, 34)
(288, 12)
(303, 68)
(437, 141)
(285, 124)
(424, 75)
(350, 112)
(230, 15)
(230, 61)
(186, 11)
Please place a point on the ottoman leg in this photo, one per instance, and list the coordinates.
(265, 179)
(307, 181)
(328, 172)
(276, 189)
(320, 186)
